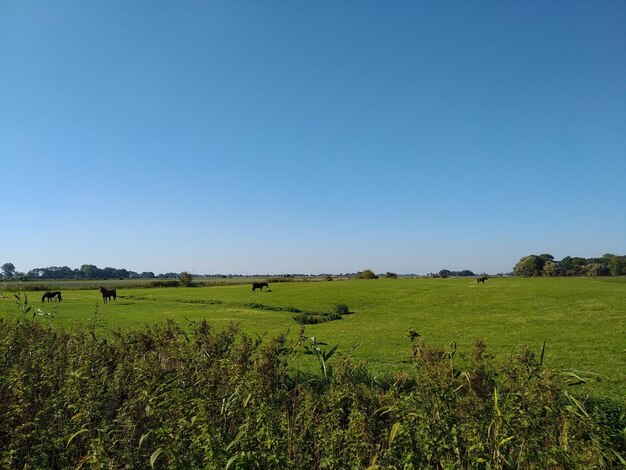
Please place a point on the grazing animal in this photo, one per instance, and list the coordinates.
(49, 296)
(259, 285)
(107, 294)
(481, 279)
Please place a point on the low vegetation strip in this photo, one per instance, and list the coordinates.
(304, 317)
(274, 308)
(201, 301)
(166, 397)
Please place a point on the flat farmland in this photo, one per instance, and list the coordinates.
(582, 320)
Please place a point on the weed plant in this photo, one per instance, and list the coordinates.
(163, 397)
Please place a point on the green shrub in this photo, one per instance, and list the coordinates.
(342, 309)
(366, 274)
(273, 308)
(307, 318)
(302, 317)
(185, 278)
(170, 398)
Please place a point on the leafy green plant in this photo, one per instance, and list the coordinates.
(322, 355)
(22, 303)
(342, 309)
(167, 397)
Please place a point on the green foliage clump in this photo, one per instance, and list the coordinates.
(272, 308)
(342, 309)
(185, 278)
(545, 265)
(169, 398)
(310, 318)
(366, 274)
(528, 266)
(303, 317)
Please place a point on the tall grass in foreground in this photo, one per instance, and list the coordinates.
(160, 397)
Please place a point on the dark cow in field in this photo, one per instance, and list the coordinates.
(49, 296)
(481, 279)
(259, 285)
(107, 294)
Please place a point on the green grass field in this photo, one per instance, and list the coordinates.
(583, 321)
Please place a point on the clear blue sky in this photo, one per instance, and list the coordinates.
(309, 137)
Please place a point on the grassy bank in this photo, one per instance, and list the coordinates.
(583, 321)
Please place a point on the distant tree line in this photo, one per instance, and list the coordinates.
(545, 265)
(90, 271)
(86, 271)
(444, 273)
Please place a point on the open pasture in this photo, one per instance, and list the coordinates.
(583, 321)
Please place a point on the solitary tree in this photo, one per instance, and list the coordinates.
(366, 274)
(185, 279)
(8, 270)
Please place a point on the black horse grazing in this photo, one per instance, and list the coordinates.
(259, 285)
(481, 279)
(49, 296)
(107, 294)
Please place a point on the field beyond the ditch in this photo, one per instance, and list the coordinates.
(582, 320)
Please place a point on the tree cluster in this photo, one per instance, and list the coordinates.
(545, 265)
(444, 273)
(86, 271)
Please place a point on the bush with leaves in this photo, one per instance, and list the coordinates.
(366, 274)
(185, 279)
(172, 397)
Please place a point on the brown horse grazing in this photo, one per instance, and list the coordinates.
(107, 294)
(481, 279)
(259, 285)
(49, 296)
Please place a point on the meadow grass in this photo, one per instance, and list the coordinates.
(582, 320)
